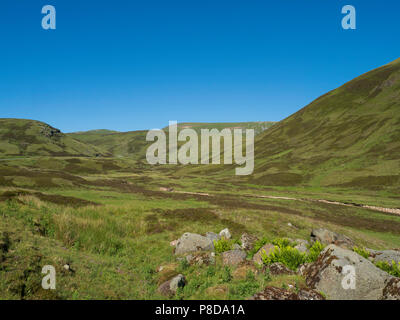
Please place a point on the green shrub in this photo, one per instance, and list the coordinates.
(283, 242)
(362, 252)
(393, 269)
(243, 289)
(288, 256)
(257, 246)
(223, 245)
(314, 251)
(226, 275)
(183, 264)
(291, 257)
(210, 271)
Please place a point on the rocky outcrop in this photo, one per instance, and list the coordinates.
(302, 269)
(274, 293)
(248, 241)
(233, 257)
(201, 258)
(329, 237)
(392, 290)
(331, 274)
(192, 242)
(309, 294)
(277, 269)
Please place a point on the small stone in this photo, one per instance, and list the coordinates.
(166, 272)
(177, 282)
(213, 236)
(225, 234)
(233, 257)
(248, 241)
(164, 289)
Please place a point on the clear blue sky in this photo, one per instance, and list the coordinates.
(128, 65)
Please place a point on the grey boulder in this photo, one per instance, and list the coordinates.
(385, 255)
(192, 242)
(330, 274)
(169, 288)
(233, 257)
(213, 236)
(329, 237)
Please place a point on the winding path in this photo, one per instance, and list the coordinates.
(395, 211)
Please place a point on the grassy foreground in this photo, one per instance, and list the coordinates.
(110, 222)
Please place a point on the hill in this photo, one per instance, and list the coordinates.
(120, 144)
(133, 144)
(349, 137)
(20, 137)
(258, 126)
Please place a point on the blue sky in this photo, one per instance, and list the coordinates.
(129, 65)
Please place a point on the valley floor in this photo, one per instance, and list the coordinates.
(111, 222)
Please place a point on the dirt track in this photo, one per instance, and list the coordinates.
(374, 208)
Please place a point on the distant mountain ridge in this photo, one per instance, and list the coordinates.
(133, 144)
(23, 137)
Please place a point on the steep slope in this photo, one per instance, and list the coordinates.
(349, 137)
(20, 137)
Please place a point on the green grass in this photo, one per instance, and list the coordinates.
(391, 268)
(133, 144)
(116, 245)
(346, 138)
(285, 253)
(20, 137)
(109, 220)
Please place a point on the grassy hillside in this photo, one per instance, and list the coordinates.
(20, 137)
(110, 220)
(258, 126)
(133, 144)
(349, 137)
